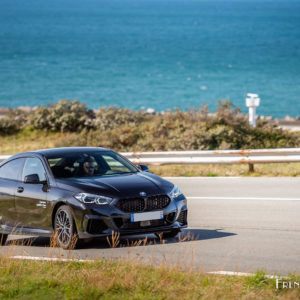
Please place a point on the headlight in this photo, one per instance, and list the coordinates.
(176, 192)
(90, 198)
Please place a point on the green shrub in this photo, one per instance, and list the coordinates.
(114, 117)
(65, 116)
(13, 121)
(7, 126)
(127, 130)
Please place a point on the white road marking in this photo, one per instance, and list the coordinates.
(244, 198)
(206, 177)
(50, 258)
(57, 259)
(230, 273)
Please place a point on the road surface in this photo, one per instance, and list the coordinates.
(235, 224)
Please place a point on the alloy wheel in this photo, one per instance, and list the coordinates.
(65, 228)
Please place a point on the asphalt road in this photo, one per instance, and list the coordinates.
(235, 224)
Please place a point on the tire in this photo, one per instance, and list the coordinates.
(169, 234)
(3, 238)
(65, 230)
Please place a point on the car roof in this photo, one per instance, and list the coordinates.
(57, 151)
(63, 150)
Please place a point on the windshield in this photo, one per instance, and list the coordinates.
(89, 164)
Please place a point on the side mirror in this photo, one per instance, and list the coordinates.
(144, 168)
(32, 178)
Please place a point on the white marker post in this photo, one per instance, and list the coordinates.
(252, 101)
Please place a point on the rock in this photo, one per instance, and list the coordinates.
(266, 118)
(150, 111)
(4, 110)
(25, 109)
(289, 118)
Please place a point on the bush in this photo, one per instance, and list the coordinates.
(65, 116)
(127, 130)
(7, 126)
(114, 117)
(13, 121)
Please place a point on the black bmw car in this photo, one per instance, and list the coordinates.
(82, 193)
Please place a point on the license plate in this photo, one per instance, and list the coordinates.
(147, 216)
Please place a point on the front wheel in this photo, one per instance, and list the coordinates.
(65, 229)
(3, 238)
(166, 235)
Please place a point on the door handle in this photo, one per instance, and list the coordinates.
(20, 189)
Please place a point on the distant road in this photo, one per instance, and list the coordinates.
(238, 224)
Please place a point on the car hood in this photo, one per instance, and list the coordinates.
(125, 185)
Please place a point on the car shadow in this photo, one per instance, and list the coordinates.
(187, 235)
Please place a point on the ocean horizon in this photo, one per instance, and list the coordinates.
(156, 54)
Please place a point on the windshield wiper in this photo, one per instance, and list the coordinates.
(120, 173)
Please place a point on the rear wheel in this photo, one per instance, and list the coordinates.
(65, 229)
(3, 238)
(169, 234)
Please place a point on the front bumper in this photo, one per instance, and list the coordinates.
(103, 221)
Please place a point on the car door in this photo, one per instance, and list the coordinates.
(9, 179)
(31, 198)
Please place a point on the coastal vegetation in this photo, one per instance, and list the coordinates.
(71, 123)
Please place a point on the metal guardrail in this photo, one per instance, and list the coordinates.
(4, 157)
(283, 155)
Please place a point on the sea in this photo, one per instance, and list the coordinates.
(158, 54)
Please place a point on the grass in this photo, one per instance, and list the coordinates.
(211, 170)
(127, 280)
(27, 140)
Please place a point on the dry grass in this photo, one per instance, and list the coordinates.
(32, 140)
(281, 169)
(126, 280)
(28, 140)
(114, 240)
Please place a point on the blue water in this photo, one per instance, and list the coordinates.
(151, 53)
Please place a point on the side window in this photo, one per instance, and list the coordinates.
(11, 169)
(34, 166)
